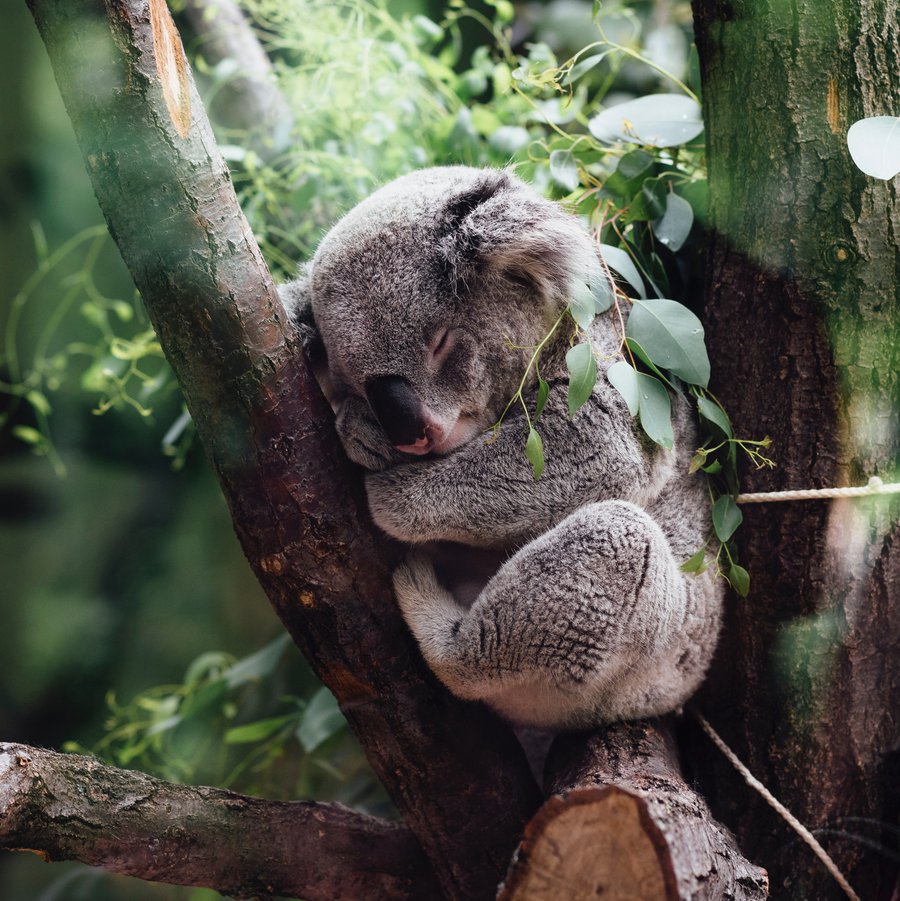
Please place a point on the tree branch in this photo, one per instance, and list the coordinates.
(621, 819)
(250, 99)
(455, 771)
(67, 807)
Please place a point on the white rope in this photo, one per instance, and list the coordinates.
(875, 486)
(773, 802)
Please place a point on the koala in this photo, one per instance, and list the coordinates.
(420, 311)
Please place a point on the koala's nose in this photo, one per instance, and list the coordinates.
(398, 408)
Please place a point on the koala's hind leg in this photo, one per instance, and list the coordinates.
(592, 621)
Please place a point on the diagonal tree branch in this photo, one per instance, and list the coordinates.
(455, 771)
(67, 807)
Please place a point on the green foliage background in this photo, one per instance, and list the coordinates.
(131, 625)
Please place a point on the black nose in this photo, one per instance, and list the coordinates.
(398, 408)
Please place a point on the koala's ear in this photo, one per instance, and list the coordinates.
(296, 296)
(499, 227)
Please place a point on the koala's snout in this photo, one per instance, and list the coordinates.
(405, 419)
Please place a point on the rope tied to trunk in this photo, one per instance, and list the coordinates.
(875, 486)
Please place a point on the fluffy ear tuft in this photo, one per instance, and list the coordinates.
(500, 228)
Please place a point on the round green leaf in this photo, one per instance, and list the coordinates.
(656, 120)
(726, 517)
(623, 377)
(674, 227)
(673, 337)
(655, 410)
(582, 375)
(874, 144)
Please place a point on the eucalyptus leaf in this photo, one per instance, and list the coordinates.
(874, 145)
(534, 450)
(623, 377)
(619, 261)
(714, 414)
(673, 228)
(257, 731)
(582, 305)
(601, 287)
(650, 201)
(27, 434)
(673, 337)
(260, 664)
(739, 579)
(655, 410)
(582, 375)
(322, 718)
(726, 517)
(563, 169)
(509, 139)
(542, 394)
(633, 169)
(582, 67)
(644, 357)
(656, 120)
(696, 563)
(38, 401)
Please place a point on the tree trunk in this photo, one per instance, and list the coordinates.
(803, 321)
(455, 771)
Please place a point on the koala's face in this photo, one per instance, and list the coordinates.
(420, 291)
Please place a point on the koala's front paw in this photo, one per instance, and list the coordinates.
(396, 506)
(363, 438)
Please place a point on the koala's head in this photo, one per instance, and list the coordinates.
(420, 290)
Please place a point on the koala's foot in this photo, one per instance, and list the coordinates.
(592, 621)
(429, 609)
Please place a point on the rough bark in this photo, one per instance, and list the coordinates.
(803, 310)
(622, 823)
(455, 771)
(65, 807)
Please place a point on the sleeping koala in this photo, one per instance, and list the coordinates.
(425, 303)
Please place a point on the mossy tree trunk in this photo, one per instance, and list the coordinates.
(803, 313)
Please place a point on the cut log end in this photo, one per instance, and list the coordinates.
(595, 843)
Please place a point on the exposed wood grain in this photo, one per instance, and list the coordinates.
(622, 824)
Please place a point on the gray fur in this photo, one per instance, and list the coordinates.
(589, 618)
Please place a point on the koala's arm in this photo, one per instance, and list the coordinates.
(485, 493)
